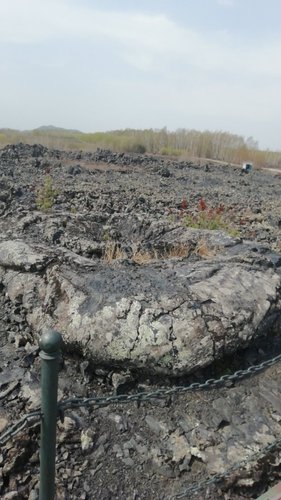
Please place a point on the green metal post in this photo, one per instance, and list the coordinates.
(49, 343)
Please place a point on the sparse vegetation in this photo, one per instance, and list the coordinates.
(217, 145)
(203, 250)
(142, 257)
(205, 217)
(136, 148)
(205, 220)
(176, 251)
(200, 217)
(113, 252)
(166, 151)
(46, 195)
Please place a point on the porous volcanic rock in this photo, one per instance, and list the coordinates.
(170, 314)
(142, 296)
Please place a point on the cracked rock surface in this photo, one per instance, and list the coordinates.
(142, 299)
(171, 318)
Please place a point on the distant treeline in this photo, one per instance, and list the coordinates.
(182, 143)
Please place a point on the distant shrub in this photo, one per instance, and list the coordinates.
(170, 151)
(46, 195)
(136, 148)
(139, 148)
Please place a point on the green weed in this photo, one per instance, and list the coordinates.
(46, 195)
(204, 217)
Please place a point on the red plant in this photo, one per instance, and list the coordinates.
(220, 209)
(184, 204)
(202, 204)
(242, 222)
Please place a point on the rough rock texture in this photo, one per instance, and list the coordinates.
(170, 317)
(139, 293)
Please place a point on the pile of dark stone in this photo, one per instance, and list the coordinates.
(201, 303)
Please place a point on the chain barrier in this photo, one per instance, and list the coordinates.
(216, 478)
(27, 421)
(102, 401)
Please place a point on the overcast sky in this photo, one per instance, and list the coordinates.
(101, 65)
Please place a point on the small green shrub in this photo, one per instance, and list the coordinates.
(205, 217)
(106, 236)
(46, 195)
(205, 220)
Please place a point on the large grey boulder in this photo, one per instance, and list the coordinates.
(169, 316)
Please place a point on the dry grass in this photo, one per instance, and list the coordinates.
(178, 251)
(203, 251)
(144, 257)
(113, 252)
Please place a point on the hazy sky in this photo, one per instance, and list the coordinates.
(101, 65)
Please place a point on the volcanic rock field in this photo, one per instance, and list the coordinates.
(158, 273)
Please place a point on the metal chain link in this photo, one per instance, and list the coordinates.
(216, 478)
(101, 401)
(26, 421)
